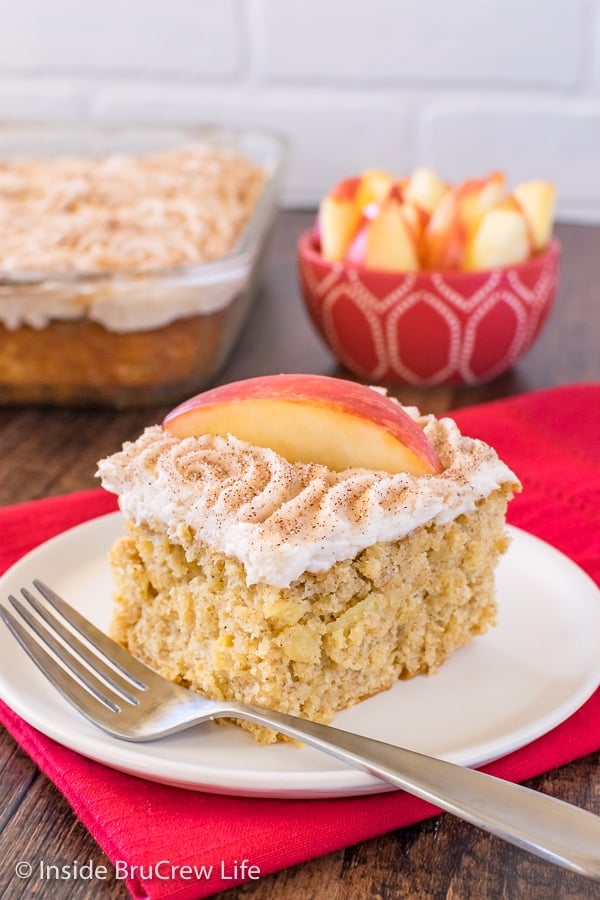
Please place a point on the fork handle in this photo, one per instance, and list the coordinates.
(557, 831)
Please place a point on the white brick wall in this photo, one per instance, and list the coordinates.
(121, 38)
(467, 85)
(384, 42)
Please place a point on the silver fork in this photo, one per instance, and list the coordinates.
(129, 701)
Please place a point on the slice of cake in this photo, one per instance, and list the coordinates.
(302, 542)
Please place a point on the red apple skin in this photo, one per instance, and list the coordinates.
(445, 251)
(346, 189)
(338, 218)
(456, 217)
(348, 397)
(396, 192)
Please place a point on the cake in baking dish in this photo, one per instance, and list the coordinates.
(303, 542)
(109, 264)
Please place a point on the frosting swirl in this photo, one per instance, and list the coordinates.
(281, 519)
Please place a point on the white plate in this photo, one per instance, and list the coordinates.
(501, 691)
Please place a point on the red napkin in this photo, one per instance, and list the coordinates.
(551, 439)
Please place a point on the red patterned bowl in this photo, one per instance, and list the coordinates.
(427, 328)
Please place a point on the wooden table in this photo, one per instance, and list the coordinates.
(46, 451)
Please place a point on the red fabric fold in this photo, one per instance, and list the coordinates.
(551, 439)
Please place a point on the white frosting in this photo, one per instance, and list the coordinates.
(281, 519)
(120, 306)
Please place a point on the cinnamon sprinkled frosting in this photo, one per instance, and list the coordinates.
(281, 519)
(178, 207)
(128, 216)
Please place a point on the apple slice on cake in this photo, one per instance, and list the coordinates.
(311, 419)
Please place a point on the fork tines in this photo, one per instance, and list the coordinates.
(65, 646)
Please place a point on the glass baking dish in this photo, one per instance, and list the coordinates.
(130, 337)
